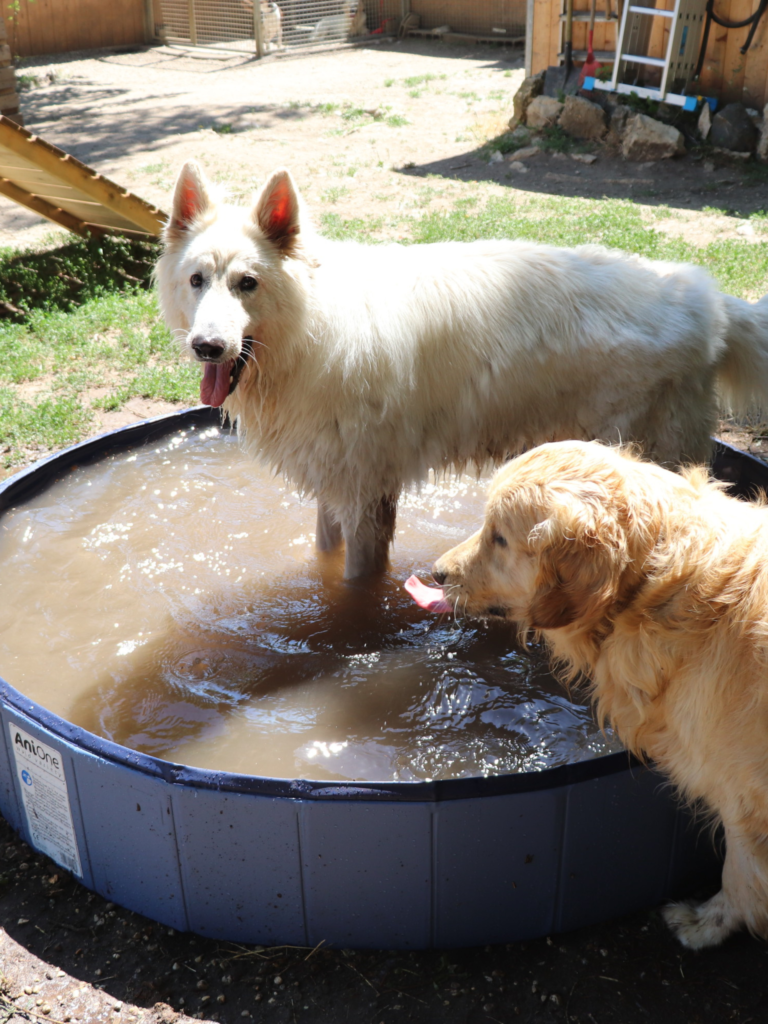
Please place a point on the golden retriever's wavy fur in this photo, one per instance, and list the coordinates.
(654, 586)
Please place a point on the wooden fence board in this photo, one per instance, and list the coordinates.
(57, 26)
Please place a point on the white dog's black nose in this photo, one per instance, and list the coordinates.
(438, 576)
(207, 348)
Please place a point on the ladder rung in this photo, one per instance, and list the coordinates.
(584, 16)
(652, 11)
(655, 62)
(599, 55)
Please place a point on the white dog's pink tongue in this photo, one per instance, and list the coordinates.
(214, 387)
(431, 599)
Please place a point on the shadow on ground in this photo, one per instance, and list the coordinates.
(695, 181)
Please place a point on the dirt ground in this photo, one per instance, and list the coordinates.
(66, 954)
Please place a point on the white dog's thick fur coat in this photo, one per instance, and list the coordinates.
(655, 586)
(374, 363)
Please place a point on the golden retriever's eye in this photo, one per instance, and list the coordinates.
(248, 284)
(498, 540)
(196, 280)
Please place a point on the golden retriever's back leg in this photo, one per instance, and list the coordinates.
(367, 546)
(327, 531)
(742, 901)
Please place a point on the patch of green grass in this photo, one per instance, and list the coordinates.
(326, 108)
(356, 229)
(27, 81)
(739, 267)
(421, 79)
(507, 142)
(555, 140)
(47, 423)
(396, 120)
(353, 113)
(334, 193)
(225, 128)
(161, 165)
(164, 383)
(79, 322)
(65, 277)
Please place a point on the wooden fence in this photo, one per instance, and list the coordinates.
(726, 74)
(57, 26)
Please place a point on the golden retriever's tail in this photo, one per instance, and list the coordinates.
(743, 371)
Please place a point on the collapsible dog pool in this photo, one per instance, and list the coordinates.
(414, 863)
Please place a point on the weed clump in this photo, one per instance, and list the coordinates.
(66, 277)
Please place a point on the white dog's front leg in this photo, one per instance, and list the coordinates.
(742, 901)
(367, 544)
(327, 531)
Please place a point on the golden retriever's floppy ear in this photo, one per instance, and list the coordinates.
(277, 211)
(582, 553)
(191, 198)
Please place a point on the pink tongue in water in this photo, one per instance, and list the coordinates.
(214, 387)
(431, 599)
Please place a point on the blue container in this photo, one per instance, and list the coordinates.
(396, 865)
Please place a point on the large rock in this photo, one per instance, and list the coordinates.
(733, 128)
(762, 142)
(542, 112)
(648, 139)
(583, 119)
(529, 90)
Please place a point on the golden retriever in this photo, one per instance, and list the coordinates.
(654, 586)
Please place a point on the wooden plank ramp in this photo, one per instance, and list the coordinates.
(55, 185)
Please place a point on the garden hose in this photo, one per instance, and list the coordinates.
(753, 20)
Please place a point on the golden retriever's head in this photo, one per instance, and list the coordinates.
(562, 542)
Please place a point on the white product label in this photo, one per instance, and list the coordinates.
(46, 800)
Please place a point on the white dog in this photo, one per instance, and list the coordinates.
(271, 22)
(366, 366)
(350, 22)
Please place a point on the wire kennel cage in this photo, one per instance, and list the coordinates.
(281, 26)
(268, 27)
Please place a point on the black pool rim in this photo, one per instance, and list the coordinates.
(742, 471)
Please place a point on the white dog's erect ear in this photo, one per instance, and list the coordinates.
(276, 210)
(191, 197)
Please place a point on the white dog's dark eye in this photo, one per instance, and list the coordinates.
(248, 284)
(499, 540)
(196, 280)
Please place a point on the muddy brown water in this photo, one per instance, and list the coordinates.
(169, 598)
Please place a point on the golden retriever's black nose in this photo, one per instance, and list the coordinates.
(207, 350)
(438, 576)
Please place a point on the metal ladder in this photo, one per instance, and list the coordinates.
(678, 64)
